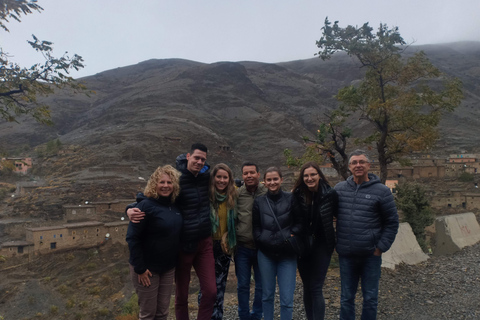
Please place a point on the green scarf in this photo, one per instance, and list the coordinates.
(231, 217)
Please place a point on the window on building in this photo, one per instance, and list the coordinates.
(54, 236)
(60, 235)
(20, 249)
(449, 205)
(53, 245)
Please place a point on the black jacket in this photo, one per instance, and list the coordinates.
(318, 215)
(194, 204)
(154, 242)
(268, 238)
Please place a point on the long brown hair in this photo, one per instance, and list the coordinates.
(231, 191)
(300, 184)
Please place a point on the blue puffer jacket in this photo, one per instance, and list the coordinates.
(367, 217)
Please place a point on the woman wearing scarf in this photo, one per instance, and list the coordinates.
(223, 196)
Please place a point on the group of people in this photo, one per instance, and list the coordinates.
(191, 217)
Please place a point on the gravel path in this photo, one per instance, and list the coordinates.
(446, 287)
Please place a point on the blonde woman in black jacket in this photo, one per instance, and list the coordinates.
(319, 203)
(154, 243)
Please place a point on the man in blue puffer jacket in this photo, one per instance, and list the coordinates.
(367, 224)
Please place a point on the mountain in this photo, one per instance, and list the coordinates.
(149, 113)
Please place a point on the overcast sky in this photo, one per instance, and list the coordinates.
(115, 33)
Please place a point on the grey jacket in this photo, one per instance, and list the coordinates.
(244, 215)
(367, 217)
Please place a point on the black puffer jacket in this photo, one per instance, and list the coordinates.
(367, 217)
(194, 205)
(318, 216)
(268, 238)
(154, 242)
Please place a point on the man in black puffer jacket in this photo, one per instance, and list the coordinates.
(196, 240)
(367, 224)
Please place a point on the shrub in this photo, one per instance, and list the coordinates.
(103, 312)
(70, 304)
(53, 309)
(131, 306)
(412, 200)
(94, 290)
(106, 280)
(63, 289)
(466, 177)
(91, 266)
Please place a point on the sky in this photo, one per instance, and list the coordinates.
(115, 33)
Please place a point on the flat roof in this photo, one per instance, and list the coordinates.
(16, 243)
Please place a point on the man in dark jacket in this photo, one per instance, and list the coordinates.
(367, 224)
(196, 241)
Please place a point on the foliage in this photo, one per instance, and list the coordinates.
(466, 177)
(131, 306)
(311, 154)
(53, 309)
(401, 98)
(51, 148)
(20, 86)
(329, 143)
(412, 200)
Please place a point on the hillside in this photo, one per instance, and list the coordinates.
(152, 111)
(144, 115)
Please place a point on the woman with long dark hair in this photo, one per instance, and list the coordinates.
(319, 202)
(277, 222)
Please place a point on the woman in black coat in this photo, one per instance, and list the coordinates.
(277, 222)
(154, 243)
(319, 203)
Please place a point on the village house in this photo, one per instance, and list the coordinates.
(14, 248)
(75, 235)
(22, 165)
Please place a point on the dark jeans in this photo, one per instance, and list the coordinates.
(245, 260)
(368, 269)
(313, 269)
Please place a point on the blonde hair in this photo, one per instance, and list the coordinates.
(231, 191)
(151, 188)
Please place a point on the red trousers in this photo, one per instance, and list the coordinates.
(204, 264)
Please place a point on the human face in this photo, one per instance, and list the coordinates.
(311, 178)
(196, 161)
(221, 180)
(164, 186)
(250, 176)
(273, 181)
(359, 167)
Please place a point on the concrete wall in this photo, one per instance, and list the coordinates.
(455, 232)
(405, 249)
